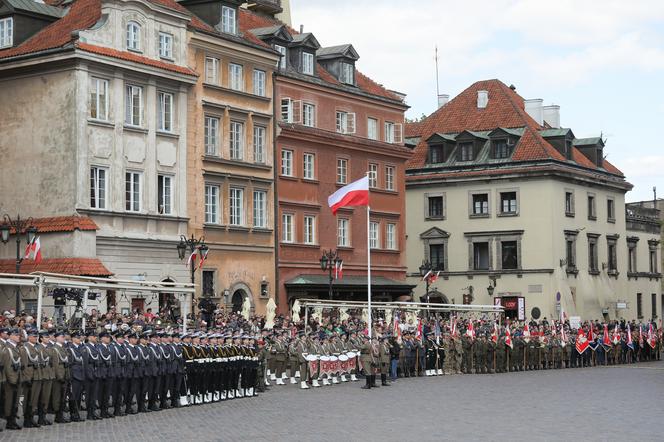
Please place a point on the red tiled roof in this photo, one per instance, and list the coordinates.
(505, 109)
(66, 266)
(130, 56)
(413, 129)
(250, 20)
(63, 224)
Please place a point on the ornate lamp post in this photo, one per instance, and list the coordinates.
(425, 268)
(329, 261)
(190, 245)
(20, 226)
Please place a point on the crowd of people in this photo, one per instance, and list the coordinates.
(128, 364)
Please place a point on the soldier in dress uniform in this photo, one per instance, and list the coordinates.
(106, 372)
(178, 370)
(31, 377)
(91, 362)
(3, 341)
(78, 372)
(12, 374)
(134, 374)
(490, 355)
(519, 351)
(278, 351)
(500, 354)
(301, 352)
(368, 362)
(154, 372)
(146, 373)
(467, 345)
(122, 370)
(60, 357)
(431, 350)
(384, 360)
(168, 371)
(479, 352)
(47, 376)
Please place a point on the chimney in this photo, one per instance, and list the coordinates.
(482, 99)
(551, 115)
(442, 100)
(534, 108)
(301, 29)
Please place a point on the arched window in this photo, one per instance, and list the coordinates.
(133, 36)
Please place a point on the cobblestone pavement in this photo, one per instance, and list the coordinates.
(613, 403)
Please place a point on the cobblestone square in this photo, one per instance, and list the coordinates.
(612, 403)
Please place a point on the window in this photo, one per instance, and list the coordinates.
(653, 305)
(343, 238)
(611, 210)
(500, 149)
(612, 256)
(165, 45)
(570, 253)
(639, 306)
(287, 228)
(211, 136)
(372, 128)
(133, 191)
(211, 70)
(389, 132)
(437, 256)
(260, 209)
(98, 187)
(593, 266)
(308, 164)
(436, 154)
(342, 171)
(481, 204)
(259, 82)
(592, 214)
(237, 140)
(569, 203)
(259, 144)
(133, 105)
(509, 255)
(374, 235)
(481, 256)
(236, 78)
(165, 112)
(208, 283)
(286, 162)
(347, 73)
(282, 61)
(99, 99)
(307, 63)
(466, 151)
(309, 229)
(309, 114)
(6, 32)
(286, 110)
(236, 207)
(391, 236)
(165, 194)
(631, 257)
(508, 203)
(228, 20)
(133, 36)
(345, 122)
(435, 209)
(211, 204)
(389, 178)
(373, 175)
(652, 256)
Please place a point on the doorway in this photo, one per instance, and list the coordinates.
(167, 304)
(137, 305)
(238, 299)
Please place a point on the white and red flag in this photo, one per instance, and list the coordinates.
(431, 276)
(204, 255)
(338, 270)
(353, 194)
(616, 335)
(508, 337)
(33, 251)
(454, 331)
(494, 335)
(418, 333)
(470, 331)
(651, 336)
(526, 333)
(581, 341)
(630, 343)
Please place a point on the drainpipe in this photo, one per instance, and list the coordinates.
(274, 187)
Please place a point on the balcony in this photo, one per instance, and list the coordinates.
(268, 7)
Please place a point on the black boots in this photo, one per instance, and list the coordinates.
(367, 386)
(383, 380)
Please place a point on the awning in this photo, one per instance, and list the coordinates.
(348, 283)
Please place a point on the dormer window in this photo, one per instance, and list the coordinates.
(568, 149)
(228, 20)
(283, 51)
(501, 149)
(347, 75)
(133, 36)
(436, 154)
(466, 151)
(6, 32)
(307, 63)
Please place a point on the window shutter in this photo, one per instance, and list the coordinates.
(398, 133)
(297, 111)
(127, 104)
(350, 125)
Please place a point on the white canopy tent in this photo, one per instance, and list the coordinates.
(43, 280)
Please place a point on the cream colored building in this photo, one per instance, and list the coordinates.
(513, 209)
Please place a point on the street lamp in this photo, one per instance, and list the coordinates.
(330, 261)
(19, 226)
(191, 245)
(492, 285)
(425, 268)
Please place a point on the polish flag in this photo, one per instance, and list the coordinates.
(508, 337)
(606, 342)
(630, 343)
(526, 333)
(203, 258)
(192, 258)
(396, 330)
(431, 276)
(651, 337)
(616, 335)
(454, 327)
(338, 270)
(563, 336)
(494, 335)
(418, 333)
(470, 331)
(33, 251)
(354, 194)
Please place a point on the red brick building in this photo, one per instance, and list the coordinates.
(335, 126)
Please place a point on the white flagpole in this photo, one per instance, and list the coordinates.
(369, 267)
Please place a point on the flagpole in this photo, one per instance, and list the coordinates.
(369, 267)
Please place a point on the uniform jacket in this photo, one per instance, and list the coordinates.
(11, 364)
(77, 360)
(91, 361)
(30, 363)
(60, 361)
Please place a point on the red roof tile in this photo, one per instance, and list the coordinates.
(413, 129)
(66, 266)
(63, 224)
(130, 56)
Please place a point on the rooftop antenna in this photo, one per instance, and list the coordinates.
(654, 197)
(437, 82)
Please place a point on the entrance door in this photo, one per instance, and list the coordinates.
(137, 304)
(167, 304)
(238, 299)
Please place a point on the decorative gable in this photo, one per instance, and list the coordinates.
(434, 233)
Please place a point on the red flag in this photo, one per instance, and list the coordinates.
(526, 333)
(353, 194)
(33, 251)
(470, 331)
(616, 335)
(203, 258)
(397, 330)
(581, 341)
(563, 335)
(605, 339)
(454, 327)
(494, 335)
(651, 337)
(418, 334)
(508, 337)
(630, 343)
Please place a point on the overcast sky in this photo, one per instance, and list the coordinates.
(602, 61)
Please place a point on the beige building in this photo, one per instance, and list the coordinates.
(514, 210)
(230, 156)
